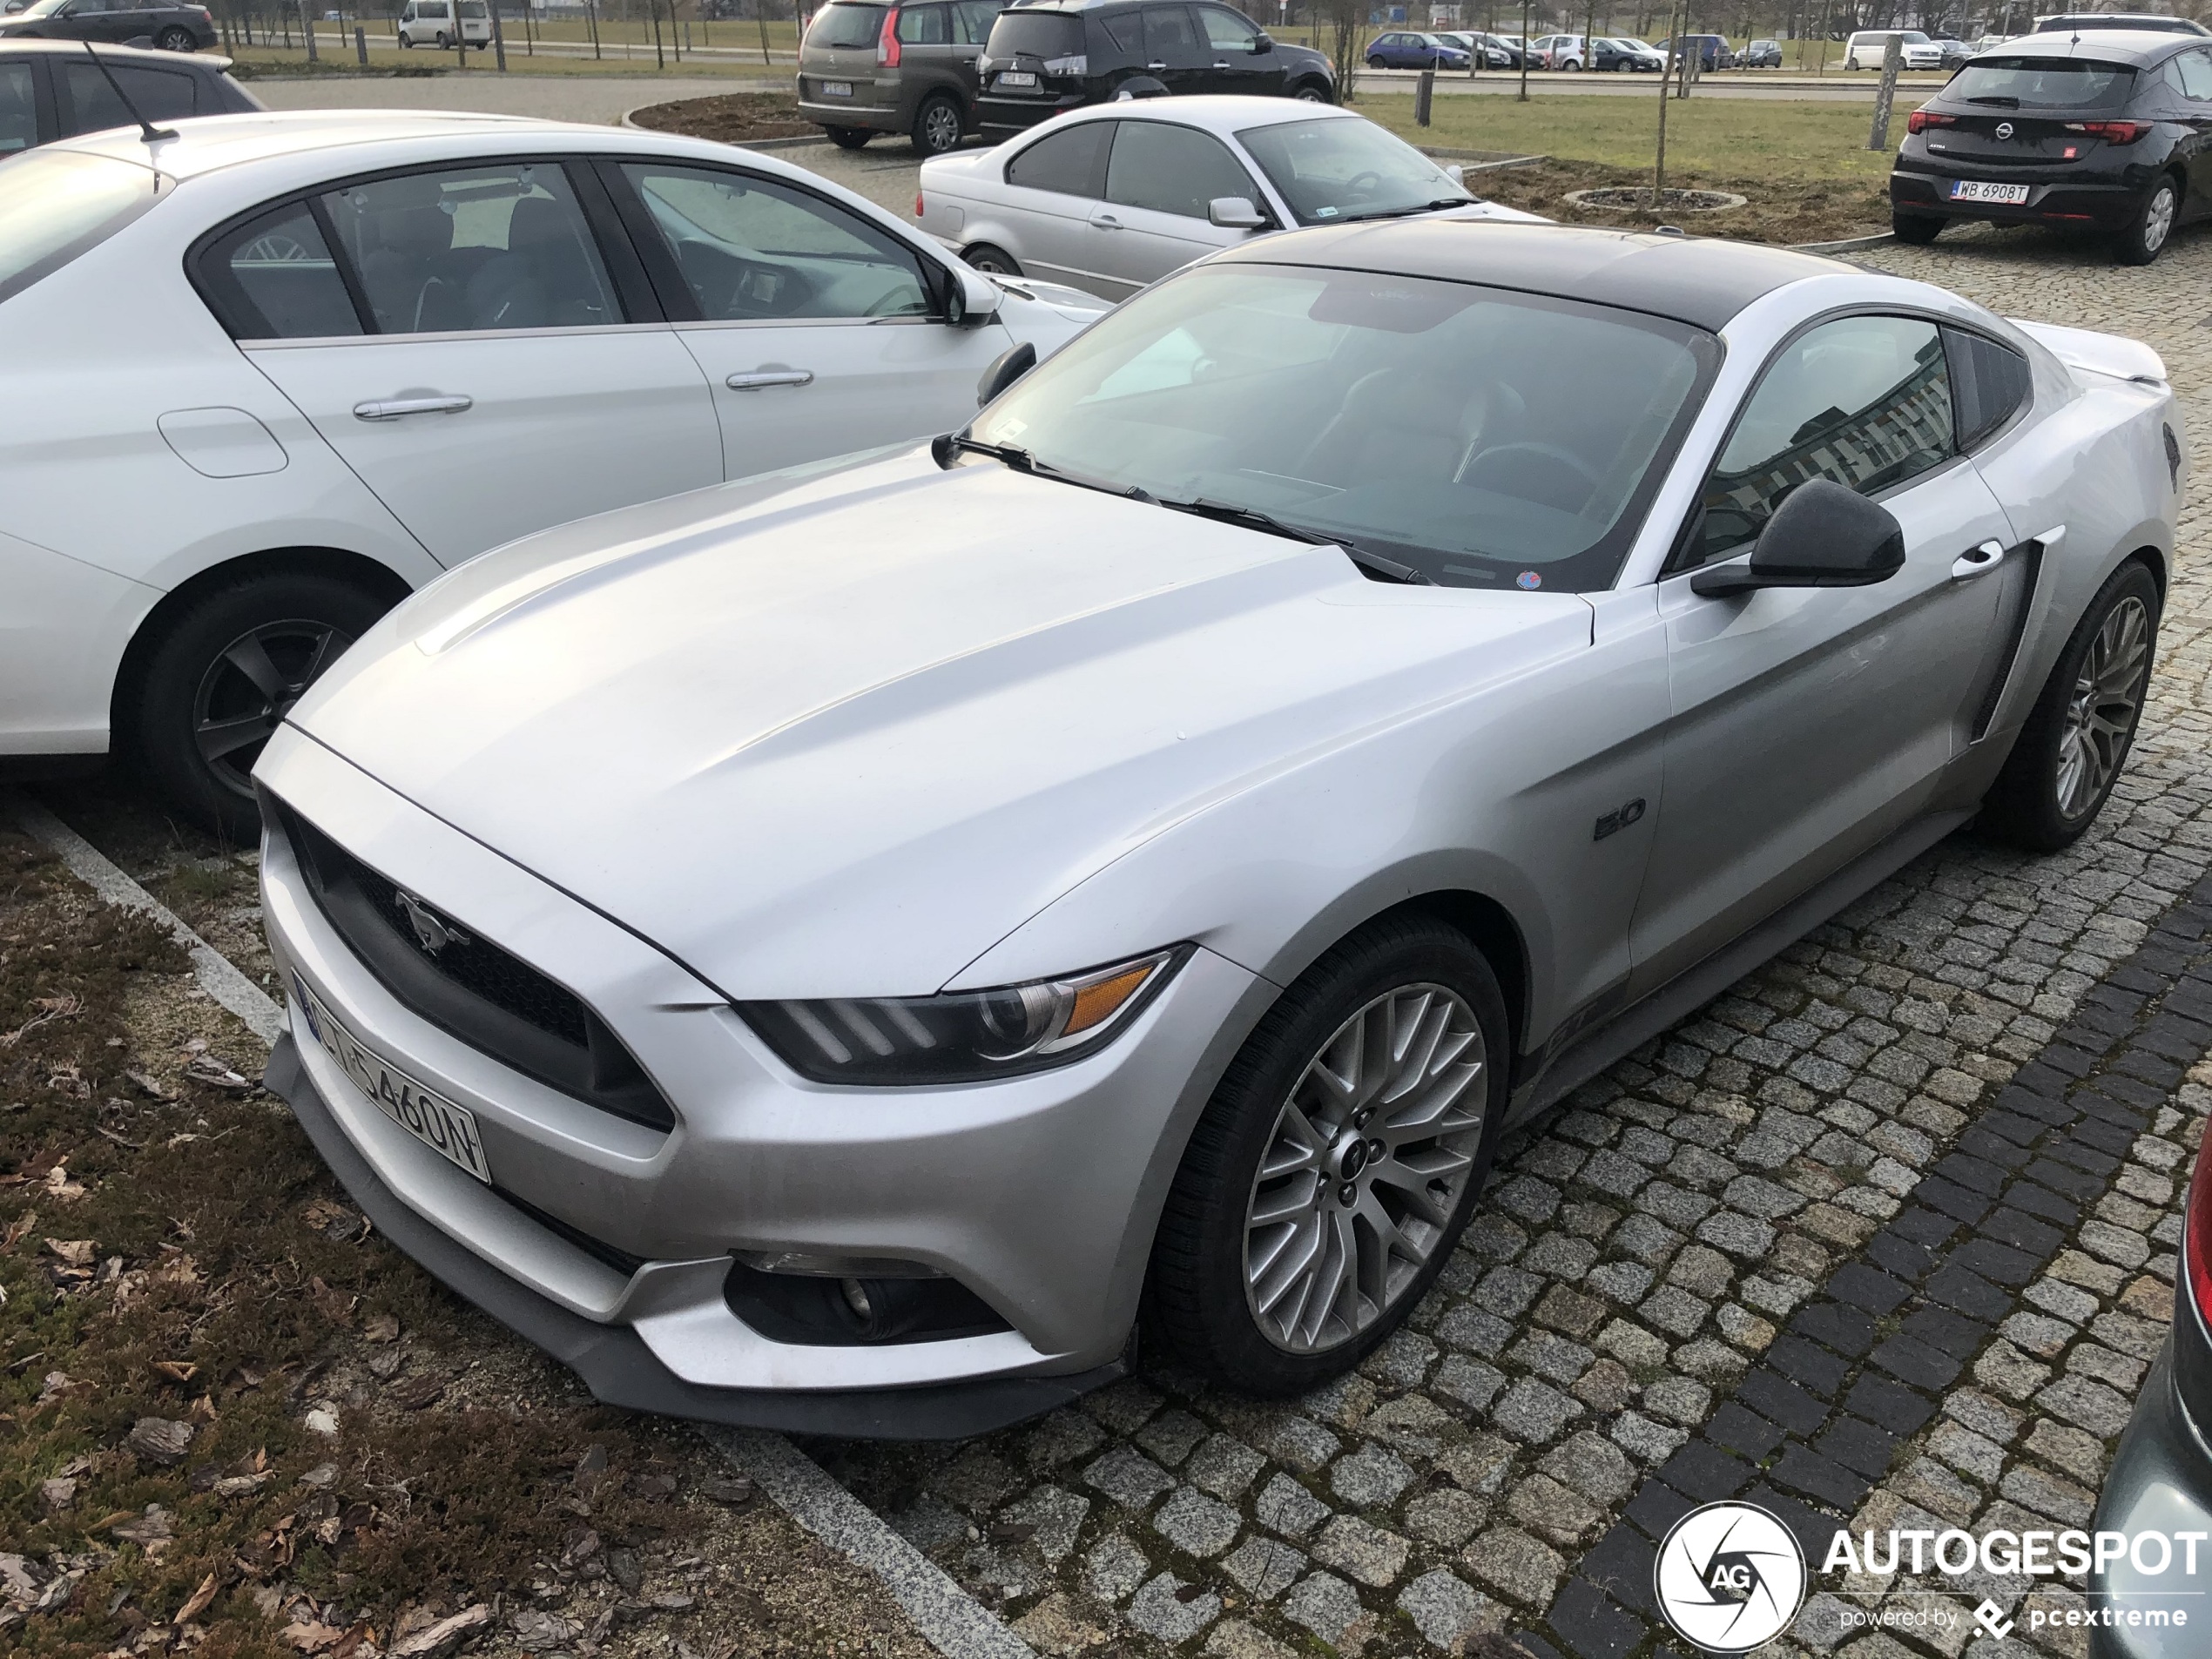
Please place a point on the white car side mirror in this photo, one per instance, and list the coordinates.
(975, 298)
(1457, 174)
(1234, 213)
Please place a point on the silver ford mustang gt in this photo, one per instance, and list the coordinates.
(827, 952)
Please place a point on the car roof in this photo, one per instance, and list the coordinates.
(1220, 113)
(1694, 279)
(202, 63)
(2107, 45)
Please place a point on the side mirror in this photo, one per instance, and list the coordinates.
(1234, 213)
(974, 300)
(1823, 535)
(1006, 368)
(1263, 42)
(1457, 174)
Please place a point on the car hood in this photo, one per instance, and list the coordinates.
(839, 736)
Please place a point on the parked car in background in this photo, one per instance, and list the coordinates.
(1053, 55)
(1623, 55)
(1561, 51)
(1954, 52)
(1760, 54)
(2078, 23)
(866, 67)
(1710, 51)
(1112, 198)
(1501, 52)
(363, 347)
(167, 28)
(2160, 1479)
(2108, 134)
(1865, 49)
(51, 89)
(1401, 49)
(429, 23)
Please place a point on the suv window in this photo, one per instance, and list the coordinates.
(925, 26)
(1863, 400)
(160, 94)
(752, 249)
(1037, 34)
(843, 24)
(1989, 382)
(1167, 34)
(1226, 30)
(480, 247)
(1071, 162)
(975, 18)
(273, 278)
(1172, 169)
(18, 108)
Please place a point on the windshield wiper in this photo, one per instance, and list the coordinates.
(1252, 518)
(1407, 213)
(952, 444)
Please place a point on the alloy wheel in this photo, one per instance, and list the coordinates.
(251, 686)
(2101, 715)
(1367, 1165)
(2158, 218)
(939, 128)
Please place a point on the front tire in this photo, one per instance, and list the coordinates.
(1310, 92)
(936, 128)
(177, 40)
(2076, 739)
(1916, 229)
(849, 137)
(2147, 234)
(223, 675)
(1338, 1162)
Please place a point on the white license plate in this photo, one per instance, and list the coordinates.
(443, 1127)
(836, 89)
(1017, 78)
(1973, 190)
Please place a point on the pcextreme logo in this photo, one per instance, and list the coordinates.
(1729, 1577)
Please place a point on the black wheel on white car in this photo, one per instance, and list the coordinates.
(849, 137)
(225, 672)
(997, 261)
(2077, 737)
(2147, 234)
(1337, 1162)
(1918, 229)
(937, 126)
(177, 40)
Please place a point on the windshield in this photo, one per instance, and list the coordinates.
(2041, 84)
(1332, 169)
(56, 205)
(1483, 437)
(846, 25)
(1036, 34)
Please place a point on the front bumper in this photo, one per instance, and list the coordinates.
(1039, 1194)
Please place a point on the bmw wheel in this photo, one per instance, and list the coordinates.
(997, 261)
(936, 128)
(1338, 1162)
(2149, 232)
(2076, 739)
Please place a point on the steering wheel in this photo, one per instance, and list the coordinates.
(893, 304)
(1361, 183)
(1566, 458)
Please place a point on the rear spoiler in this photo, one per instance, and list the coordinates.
(2113, 354)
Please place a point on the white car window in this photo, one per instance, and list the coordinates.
(18, 113)
(273, 278)
(1172, 170)
(475, 248)
(57, 204)
(1071, 162)
(750, 249)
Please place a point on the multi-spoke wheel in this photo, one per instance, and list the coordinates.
(2075, 740)
(1325, 1184)
(223, 674)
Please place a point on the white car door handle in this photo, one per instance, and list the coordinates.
(1105, 221)
(761, 377)
(392, 408)
(1978, 561)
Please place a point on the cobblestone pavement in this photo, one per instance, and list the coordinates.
(1886, 1232)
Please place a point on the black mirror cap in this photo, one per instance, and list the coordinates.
(1822, 536)
(1263, 42)
(1006, 368)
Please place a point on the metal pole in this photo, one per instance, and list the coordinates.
(1892, 60)
(1424, 92)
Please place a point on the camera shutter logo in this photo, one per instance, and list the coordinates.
(1729, 1577)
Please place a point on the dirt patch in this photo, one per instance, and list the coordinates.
(233, 1420)
(1824, 211)
(737, 118)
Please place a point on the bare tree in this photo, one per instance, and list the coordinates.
(1344, 17)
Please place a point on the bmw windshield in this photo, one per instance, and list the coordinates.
(1331, 169)
(1470, 436)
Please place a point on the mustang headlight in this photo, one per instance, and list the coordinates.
(962, 1036)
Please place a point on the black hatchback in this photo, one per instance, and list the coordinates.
(1054, 54)
(2111, 132)
(144, 22)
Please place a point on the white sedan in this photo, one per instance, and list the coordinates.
(1112, 197)
(268, 372)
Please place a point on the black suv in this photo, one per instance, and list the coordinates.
(1053, 55)
(173, 27)
(51, 89)
(2106, 134)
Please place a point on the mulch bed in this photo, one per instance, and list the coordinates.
(1823, 210)
(735, 118)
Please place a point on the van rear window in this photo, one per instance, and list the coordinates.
(845, 24)
(1036, 34)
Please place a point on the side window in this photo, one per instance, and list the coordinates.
(752, 249)
(274, 279)
(1989, 382)
(925, 26)
(975, 18)
(160, 94)
(1226, 30)
(2196, 74)
(485, 247)
(1071, 162)
(1863, 401)
(1172, 170)
(1126, 30)
(18, 108)
(1167, 33)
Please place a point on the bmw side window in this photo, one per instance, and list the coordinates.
(1071, 162)
(750, 249)
(492, 247)
(1865, 401)
(273, 278)
(1989, 383)
(18, 108)
(1172, 170)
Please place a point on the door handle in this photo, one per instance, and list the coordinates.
(1105, 222)
(1157, 68)
(1221, 63)
(760, 378)
(1978, 561)
(392, 408)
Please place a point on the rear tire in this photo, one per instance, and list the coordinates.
(176, 40)
(849, 137)
(224, 673)
(2076, 741)
(2150, 230)
(1290, 1246)
(936, 128)
(997, 261)
(1916, 229)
